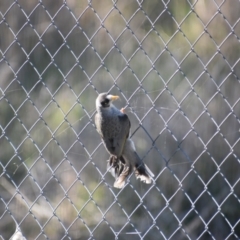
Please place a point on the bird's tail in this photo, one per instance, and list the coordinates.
(122, 167)
(141, 170)
(143, 173)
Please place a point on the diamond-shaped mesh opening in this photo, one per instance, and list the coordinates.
(15, 10)
(91, 53)
(56, 197)
(14, 95)
(230, 168)
(178, 16)
(102, 12)
(115, 65)
(64, 209)
(215, 23)
(145, 223)
(192, 67)
(128, 83)
(229, 44)
(53, 116)
(212, 209)
(119, 222)
(179, 86)
(178, 47)
(197, 147)
(28, 107)
(16, 140)
(39, 91)
(7, 233)
(166, 70)
(93, 180)
(60, 63)
(5, 107)
(206, 132)
(219, 219)
(153, 119)
(154, 49)
(77, 228)
(77, 193)
(104, 231)
(150, 9)
(76, 73)
(231, 18)
(52, 153)
(9, 37)
(131, 8)
(205, 167)
(66, 174)
(100, 200)
(165, 26)
(89, 27)
(179, 159)
(141, 27)
(218, 181)
(178, 118)
(114, 32)
(52, 72)
(98, 39)
(141, 104)
(32, 40)
(143, 67)
(54, 223)
(52, 32)
(167, 105)
(193, 224)
(205, 53)
(164, 139)
(190, 102)
(192, 27)
(220, 154)
(197, 186)
(127, 48)
(64, 15)
(32, 223)
(91, 214)
(171, 222)
(73, 38)
(217, 77)
(175, 67)
(225, 89)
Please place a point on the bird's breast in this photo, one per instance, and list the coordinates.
(111, 126)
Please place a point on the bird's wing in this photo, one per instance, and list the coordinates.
(115, 145)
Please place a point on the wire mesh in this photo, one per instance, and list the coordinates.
(175, 65)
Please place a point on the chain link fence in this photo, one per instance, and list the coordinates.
(174, 64)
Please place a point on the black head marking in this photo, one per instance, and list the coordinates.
(104, 101)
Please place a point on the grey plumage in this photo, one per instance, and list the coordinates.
(114, 127)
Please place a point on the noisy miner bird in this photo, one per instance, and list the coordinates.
(113, 125)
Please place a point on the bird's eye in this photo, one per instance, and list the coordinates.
(105, 102)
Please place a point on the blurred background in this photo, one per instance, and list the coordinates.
(174, 64)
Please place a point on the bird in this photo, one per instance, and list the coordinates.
(113, 125)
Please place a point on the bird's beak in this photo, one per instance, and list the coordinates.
(113, 98)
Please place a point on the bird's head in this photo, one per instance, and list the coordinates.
(104, 100)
